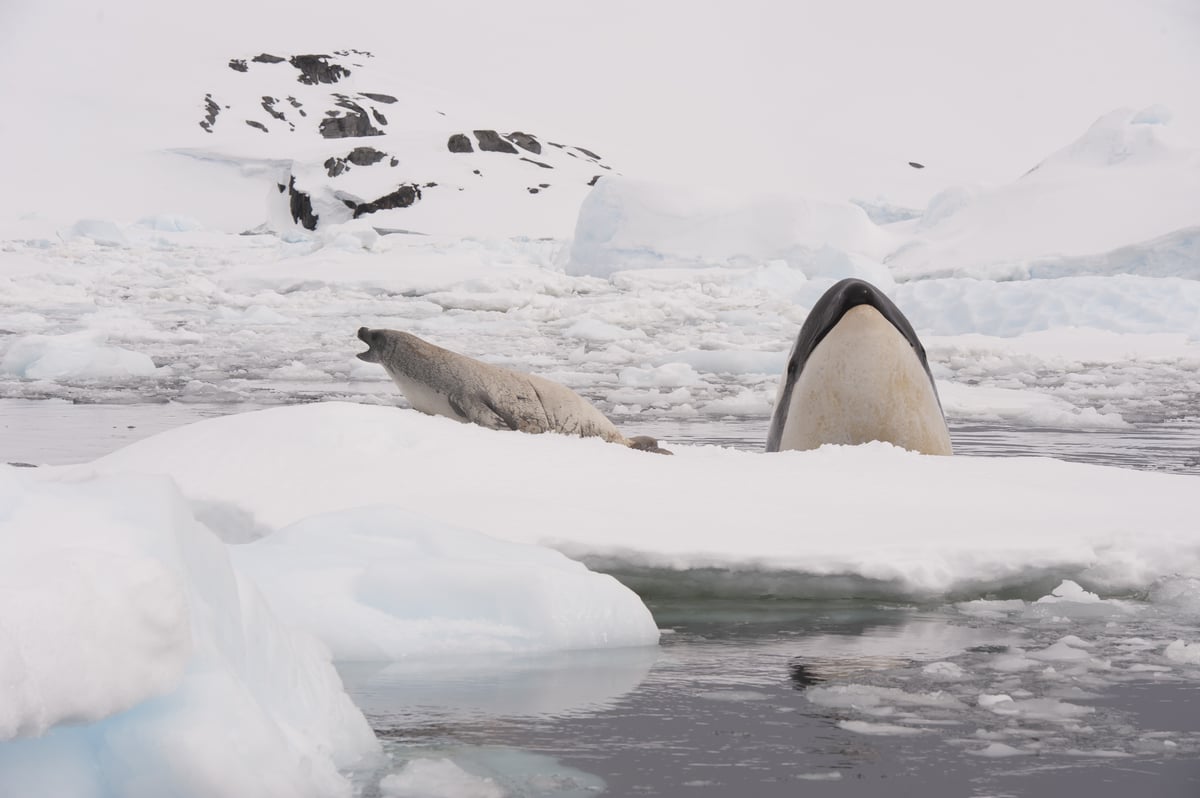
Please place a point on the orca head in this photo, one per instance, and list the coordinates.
(842, 297)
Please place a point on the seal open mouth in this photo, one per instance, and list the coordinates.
(369, 356)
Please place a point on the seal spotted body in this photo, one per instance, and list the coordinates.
(858, 373)
(440, 382)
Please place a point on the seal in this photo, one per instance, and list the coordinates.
(444, 383)
(858, 373)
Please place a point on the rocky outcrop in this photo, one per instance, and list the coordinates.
(459, 143)
(316, 69)
(490, 141)
(301, 207)
(355, 123)
(402, 197)
(525, 142)
(359, 156)
(211, 109)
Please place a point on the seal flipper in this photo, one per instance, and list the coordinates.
(478, 410)
(645, 443)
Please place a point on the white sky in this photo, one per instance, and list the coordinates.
(821, 98)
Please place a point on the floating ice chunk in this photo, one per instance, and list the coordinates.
(729, 361)
(671, 375)
(832, 775)
(1184, 653)
(134, 645)
(1070, 591)
(946, 671)
(987, 608)
(100, 231)
(300, 372)
(877, 700)
(75, 356)
(601, 331)
(880, 729)
(743, 402)
(437, 778)
(1012, 661)
(999, 751)
(254, 315)
(1100, 753)
(995, 702)
(1064, 650)
(381, 584)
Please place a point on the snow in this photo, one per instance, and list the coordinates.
(437, 778)
(1115, 528)
(77, 356)
(132, 649)
(382, 584)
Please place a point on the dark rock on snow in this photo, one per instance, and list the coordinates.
(238, 65)
(539, 163)
(301, 207)
(379, 98)
(525, 142)
(365, 156)
(459, 143)
(316, 69)
(402, 197)
(268, 104)
(258, 125)
(267, 58)
(354, 124)
(211, 109)
(490, 141)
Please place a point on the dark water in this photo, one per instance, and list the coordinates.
(55, 432)
(722, 709)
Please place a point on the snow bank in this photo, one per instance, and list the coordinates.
(74, 356)
(629, 224)
(134, 660)
(380, 584)
(1087, 199)
(865, 520)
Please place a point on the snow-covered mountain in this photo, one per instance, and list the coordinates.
(341, 141)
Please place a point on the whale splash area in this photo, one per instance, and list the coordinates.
(252, 569)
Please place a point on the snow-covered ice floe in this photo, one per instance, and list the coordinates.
(135, 660)
(877, 518)
(135, 642)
